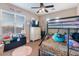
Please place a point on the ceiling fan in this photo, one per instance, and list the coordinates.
(43, 8)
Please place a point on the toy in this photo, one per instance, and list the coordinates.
(50, 36)
(49, 40)
(76, 44)
(71, 42)
(58, 37)
(66, 37)
(6, 37)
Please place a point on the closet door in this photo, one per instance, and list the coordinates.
(7, 22)
(19, 24)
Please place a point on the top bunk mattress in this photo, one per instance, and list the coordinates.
(67, 22)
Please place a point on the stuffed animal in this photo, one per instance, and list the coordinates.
(58, 37)
(50, 36)
(6, 37)
(76, 44)
(73, 43)
(66, 37)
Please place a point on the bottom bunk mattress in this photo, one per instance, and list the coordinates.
(57, 49)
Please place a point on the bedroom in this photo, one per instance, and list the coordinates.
(23, 27)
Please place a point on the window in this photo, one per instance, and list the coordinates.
(11, 23)
(19, 23)
(7, 22)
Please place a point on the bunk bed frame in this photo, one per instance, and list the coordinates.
(63, 23)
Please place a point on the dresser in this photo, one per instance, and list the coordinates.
(35, 33)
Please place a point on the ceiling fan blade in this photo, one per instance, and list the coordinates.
(35, 7)
(41, 4)
(49, 6)
(38, 11)
(46, 10)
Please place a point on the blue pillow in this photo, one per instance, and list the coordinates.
(71, 42)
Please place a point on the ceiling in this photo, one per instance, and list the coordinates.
(57, 6)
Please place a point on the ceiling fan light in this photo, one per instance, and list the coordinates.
(40, 11)
(43, 9)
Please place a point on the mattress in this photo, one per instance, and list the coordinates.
(58, 49)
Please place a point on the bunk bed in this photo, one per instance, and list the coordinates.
(50, 47)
